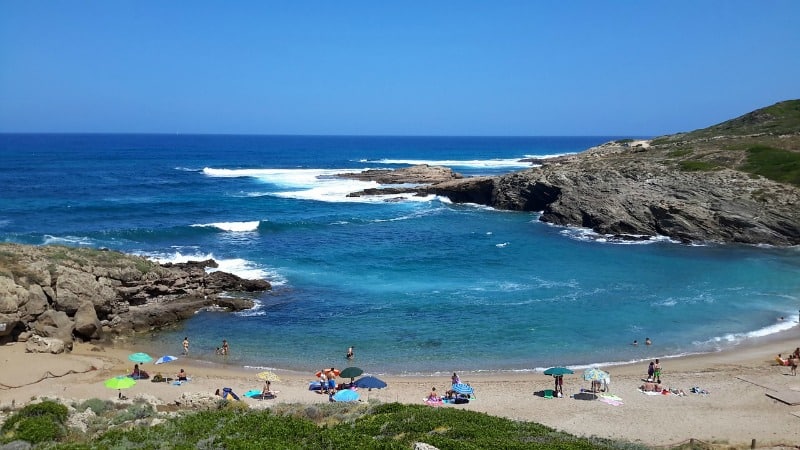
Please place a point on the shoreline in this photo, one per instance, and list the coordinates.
(735, 411)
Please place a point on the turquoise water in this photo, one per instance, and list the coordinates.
(416, 286)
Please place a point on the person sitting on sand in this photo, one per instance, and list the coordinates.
(433, 396)
(182, 376)
(267, 392)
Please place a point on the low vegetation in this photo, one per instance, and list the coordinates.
(697, 166)
(331, 426)
(774, 163)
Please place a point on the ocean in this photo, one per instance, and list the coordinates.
(417, 286)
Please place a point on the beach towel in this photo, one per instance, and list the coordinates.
(611, 399)
(252, 393)
(430, 402)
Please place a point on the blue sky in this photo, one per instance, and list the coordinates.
(393, 68)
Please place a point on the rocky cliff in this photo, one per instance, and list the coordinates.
(738, 181)
(77, 293)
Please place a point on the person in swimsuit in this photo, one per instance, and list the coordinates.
(182, 376)
(657, 371)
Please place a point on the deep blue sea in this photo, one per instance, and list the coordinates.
(417, 286)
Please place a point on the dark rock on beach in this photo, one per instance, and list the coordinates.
(67, 293)
(736, 182)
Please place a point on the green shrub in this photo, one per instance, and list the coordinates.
(52, 411)
(37, 422)
(97, 406)
(39, 429)
(697, 166)
(677, 153)
(776, 164)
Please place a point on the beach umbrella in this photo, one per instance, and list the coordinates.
(351, 372)
(165, 359)
(119, 383)
(346, 395)
(370, 383)
(558, 371)
(594, 374)
(462, 388)
(140, 357)
(268, 376)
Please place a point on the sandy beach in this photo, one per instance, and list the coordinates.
(737, 409)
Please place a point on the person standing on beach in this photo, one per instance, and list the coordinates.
(657, 372)
(651, 369)
(186, 345)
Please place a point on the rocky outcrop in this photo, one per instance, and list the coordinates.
(76, 293)
(419, 174)
(703, 186)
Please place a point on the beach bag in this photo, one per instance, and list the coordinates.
(460, 401)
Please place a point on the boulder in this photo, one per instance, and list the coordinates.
(34, 304)
(55, 324)
(9, 295)
(87, 325)
(39, 344)
(73, 286)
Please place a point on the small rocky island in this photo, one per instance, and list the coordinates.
(51, 295)
(735, 182)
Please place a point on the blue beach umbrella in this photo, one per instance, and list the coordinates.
(165, 359)
(370, 383)
(140, 357)
(346, 395)
(462, 388)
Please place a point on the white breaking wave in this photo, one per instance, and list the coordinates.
(476, 163)
(589, 235)
(498, 163)
(236, 227)
(67, 240)
(237, 266)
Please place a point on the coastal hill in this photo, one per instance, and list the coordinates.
(736, 182)
(50, 295)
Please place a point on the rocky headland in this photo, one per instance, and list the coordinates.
(51, 295)
(735, 182)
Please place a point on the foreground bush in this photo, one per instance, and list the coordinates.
(346, 426)
(37, 422)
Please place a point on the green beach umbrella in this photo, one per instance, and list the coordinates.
(120, 382)
(558, 371)
(351, 372)
(140, 357)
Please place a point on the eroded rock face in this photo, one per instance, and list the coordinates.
(82, 293)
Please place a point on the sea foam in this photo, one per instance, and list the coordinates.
(236, 227)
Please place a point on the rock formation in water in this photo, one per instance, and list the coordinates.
(62, 293)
